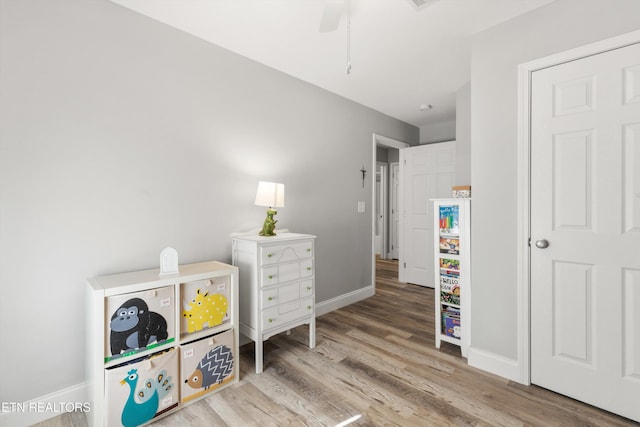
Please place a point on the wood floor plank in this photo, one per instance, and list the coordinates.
(202, 414)
(376, 362)
(437, 409)
(355, 389)
(401, 353)
(250, 406)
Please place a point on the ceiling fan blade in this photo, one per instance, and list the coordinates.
(421, 4)
(331, 16)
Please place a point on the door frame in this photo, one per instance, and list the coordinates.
(383, 141)
(523, 253)
(384, 185)
(393, 192)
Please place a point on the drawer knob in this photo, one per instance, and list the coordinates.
(270, 276)
(271, 298)
(271, 320)
(308, 268)
(308, 288)
(308, 249)
(308, 307)
(269, 255)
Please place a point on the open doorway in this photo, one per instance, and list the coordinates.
(386, 199)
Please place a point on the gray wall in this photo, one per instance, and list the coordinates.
(459, 130)
(387, 154)
(496, 53)
(121, 136)
(463, 135)
(382, 154)
(438, 132)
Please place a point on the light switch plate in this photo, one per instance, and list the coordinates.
(360, 207)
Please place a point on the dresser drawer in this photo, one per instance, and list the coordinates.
(270, 298)
(306, 268)
(282, 273)
(287, 252)
(306, 288)
(281, 295)
(288, 312)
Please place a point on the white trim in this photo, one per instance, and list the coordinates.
(384, 184)
(380, 140)
(494, 363)
(401, 211)
(344, 300)
(45, 407)
(522, 223)
(394, 191)
(388, 142)
(524, 171)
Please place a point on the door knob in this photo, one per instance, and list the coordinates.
(542, 243)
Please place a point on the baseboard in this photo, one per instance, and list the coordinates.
(494, 363)
(344, 300)
(17, 414)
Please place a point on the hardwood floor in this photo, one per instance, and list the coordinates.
(375, 360)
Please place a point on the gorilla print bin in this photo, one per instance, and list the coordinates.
(139, 321)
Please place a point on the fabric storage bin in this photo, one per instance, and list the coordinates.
(137, 391)
(206, 364)
(138, 321)
(205, 304)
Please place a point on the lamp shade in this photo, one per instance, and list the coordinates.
(270, 194)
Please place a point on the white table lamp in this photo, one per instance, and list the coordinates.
(270, 194)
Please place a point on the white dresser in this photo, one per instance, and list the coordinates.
(277, 286)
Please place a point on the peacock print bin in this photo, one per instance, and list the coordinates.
(138, 321)
(138, 391)
(206, 364)
(205, 304)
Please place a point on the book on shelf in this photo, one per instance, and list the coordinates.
(450, 272)
(450, 264)
(450, 245)
(451, 322)
(450, 289)
(449, 219)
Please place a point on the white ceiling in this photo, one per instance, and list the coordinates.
(401, 57)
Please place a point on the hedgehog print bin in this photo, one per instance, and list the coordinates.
(206, 364)
(205, 304)
(138, 391)
(139, 321)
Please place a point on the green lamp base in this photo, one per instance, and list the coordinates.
(269, 224)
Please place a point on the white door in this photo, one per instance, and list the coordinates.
(585, 202)
(394, 231)
(427, 172)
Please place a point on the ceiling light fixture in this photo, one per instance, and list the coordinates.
(425, 107)
(421, 4)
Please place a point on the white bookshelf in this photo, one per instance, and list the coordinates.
(452, 231)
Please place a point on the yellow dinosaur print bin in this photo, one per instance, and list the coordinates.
(205, 304)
